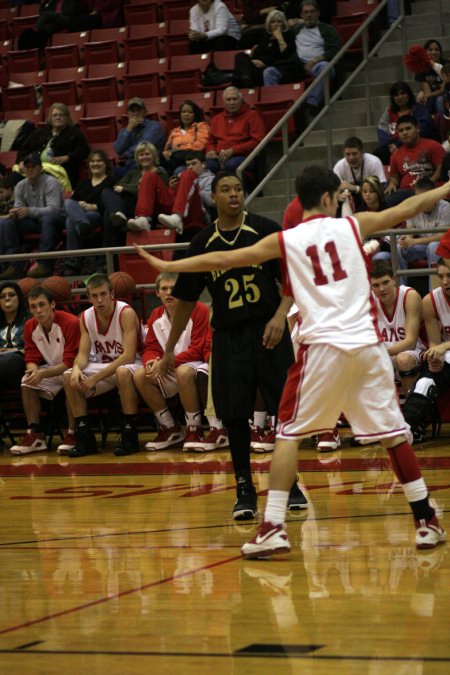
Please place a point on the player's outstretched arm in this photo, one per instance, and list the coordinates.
(371, 222)
(266, 249)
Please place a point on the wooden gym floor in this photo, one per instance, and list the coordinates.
(132, 566)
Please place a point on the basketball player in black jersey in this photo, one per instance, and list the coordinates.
(251, 343)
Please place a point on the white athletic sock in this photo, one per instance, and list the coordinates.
(276, 506)
(164, 418)
(193, 419)
(259, 418)
(214, 422)
(415, 490)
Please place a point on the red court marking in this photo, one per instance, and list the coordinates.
(100, 601)
(213, 466)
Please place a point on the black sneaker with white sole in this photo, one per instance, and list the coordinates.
(297, 499)
(246, 502)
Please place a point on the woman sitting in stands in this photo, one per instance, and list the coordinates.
(62, 146)
(192, 134)
(430, 81)
(84, 210)
(278, 43)
(212, 27)
(13, 315)
(119, 202)
(402, 102)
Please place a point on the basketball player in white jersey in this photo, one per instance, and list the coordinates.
(110, 340)
(399, 312)
(326, 273)
(436, 378)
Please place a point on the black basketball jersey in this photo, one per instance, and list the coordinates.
(238, 295)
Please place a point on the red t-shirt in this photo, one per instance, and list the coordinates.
(293, 214)
(411, 163)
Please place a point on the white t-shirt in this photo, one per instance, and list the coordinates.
(370, 166)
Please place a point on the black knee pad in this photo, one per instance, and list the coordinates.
(417, 409)
(408, 373)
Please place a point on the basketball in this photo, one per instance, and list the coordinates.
(27, 283)
(123, 284)
(59, 287)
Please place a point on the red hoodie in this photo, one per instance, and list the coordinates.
(242, 131)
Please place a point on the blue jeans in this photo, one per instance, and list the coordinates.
(114, 201)
(49, 226)
(417, 252)
(230, 164)
(75, 216)
(273, 76)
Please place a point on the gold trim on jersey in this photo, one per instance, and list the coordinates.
(217, 234)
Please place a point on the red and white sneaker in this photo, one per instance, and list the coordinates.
(269, 540)
(30, 442)
(329, 441)
(262, 441)
(215, 439)
(429, 533)
(167, 437)
(67, 444)
(193, 439)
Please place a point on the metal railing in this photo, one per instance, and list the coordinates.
(289, 148)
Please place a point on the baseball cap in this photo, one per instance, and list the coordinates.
(137, 102)
(33, 158)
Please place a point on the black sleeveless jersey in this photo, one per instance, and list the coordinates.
(238, 295)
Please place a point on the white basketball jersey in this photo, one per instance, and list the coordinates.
(105, 347)
(441, 304)
(328, 278)
(392, 328)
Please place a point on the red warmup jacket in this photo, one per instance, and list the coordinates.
(242, 132)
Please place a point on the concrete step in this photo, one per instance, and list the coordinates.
(368, 134)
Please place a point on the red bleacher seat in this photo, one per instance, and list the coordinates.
(34, 77)
(99, 89)
(101, 34)
(21, 23)
(33, 115)
(23, 61)
(101, 52)
(176, 9)
(75, 73)
(143, 85)
(60, 92)
(187, 61)
(99, 129)
(147, 30)
(179, 81)
(63, 39)
(19, 98)
(145, 66)
(141, 48)
(105, 108)
(175, 44)
(135, 265)
(62, 56)
(179, 26)
(272, 112)
(141, 13)
(157, 108)
(204, 99)
(5, 32)
(282, 92)
(29, 10)
(347, 7)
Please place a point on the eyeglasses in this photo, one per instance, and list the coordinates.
(5, 296)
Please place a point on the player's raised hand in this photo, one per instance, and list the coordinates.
(152, 260)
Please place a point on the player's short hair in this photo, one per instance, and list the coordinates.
(353, 142)
(407, 119)
(381, 268)
(40, 290)
(170, 276)
(425, 183)
(97, 280)
(219, 176)
(313, 182)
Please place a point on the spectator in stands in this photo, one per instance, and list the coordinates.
(84, 209)
(399, 315)
(235, 132)
(111, 341)
(415, 158)
(277, 42)
(374, 199)
(254, 14)
(430, 81)
(423, 247)
(38, 207)
(355, 166)
(58, 16)
(13, 315)
(402, 102)
(138, 129)
(212, 27)
(436, 378)
(316, 43)
(61, 145)
(192, 199)
(51, 339)
(293, 7)
(6, 197)
(189, 378)
(192, 134)
(109, 11)
(119, 202)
